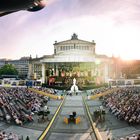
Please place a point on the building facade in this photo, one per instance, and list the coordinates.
(74, 58)
(21, 65)
(2, 62)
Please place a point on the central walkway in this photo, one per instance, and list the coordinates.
(71, 131)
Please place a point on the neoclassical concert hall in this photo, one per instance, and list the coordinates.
(74, 58)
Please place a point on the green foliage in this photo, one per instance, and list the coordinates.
(8, 69)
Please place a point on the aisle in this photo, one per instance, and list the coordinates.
(71, 131)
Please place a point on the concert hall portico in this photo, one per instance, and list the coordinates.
(74, 58)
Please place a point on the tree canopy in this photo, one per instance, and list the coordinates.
(8, 69)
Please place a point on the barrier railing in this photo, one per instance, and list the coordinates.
(103, 93)
(93, 124)
(47, 94)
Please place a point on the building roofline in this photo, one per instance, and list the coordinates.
(57, 43)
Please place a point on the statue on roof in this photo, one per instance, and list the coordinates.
(74, 36)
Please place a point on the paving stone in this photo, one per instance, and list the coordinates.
(94, 103)
(54, 103)
(53, 109)
(33, 134)
(73, 103)
(62, 136)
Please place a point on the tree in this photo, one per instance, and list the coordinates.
(8, 69)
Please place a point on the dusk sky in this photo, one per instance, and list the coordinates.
(113, 24)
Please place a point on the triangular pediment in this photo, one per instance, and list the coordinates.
(76, 41)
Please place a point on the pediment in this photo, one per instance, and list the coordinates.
(76, 41)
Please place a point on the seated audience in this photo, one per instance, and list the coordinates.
(19, 105)
(125, 104)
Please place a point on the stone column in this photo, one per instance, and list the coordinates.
(56, 69)
(43, 73)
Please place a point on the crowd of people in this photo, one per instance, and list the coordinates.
(18, 105)
(8, 136)
(48, 90)
(132, 137)
(125, 104)
(99, 114)
(99, 90)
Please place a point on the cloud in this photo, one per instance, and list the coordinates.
(100, 20)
